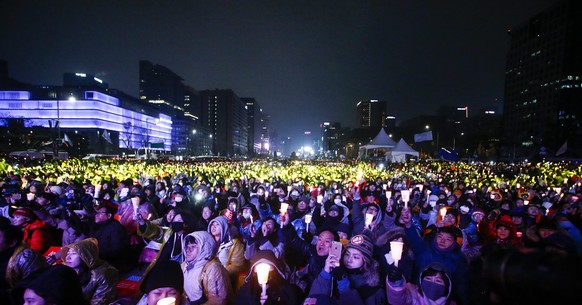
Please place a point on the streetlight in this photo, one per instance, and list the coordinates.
(426, 127)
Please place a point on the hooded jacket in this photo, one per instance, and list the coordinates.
(403, 293)
(206, 281)
(101, 288)
(231, 252)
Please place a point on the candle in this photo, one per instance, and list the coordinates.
(443, 212)
(135, 203)
(284, 207)
(307, 218)
(97, 190)
(388, 194)
(167, 301)
(396, 251)
(30, 196)
(369, 218)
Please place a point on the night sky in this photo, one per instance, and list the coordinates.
(305, 62)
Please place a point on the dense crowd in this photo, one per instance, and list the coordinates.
(325, 233)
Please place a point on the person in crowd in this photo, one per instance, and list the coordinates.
(435, 287)
(472, 239)
(206, 281)
(112, 237)
(503, 234)
(248, 217)
(54, 285)
(367, 205)
(97, 277)
(356, 277)
(164, 280)
(266, 239)
(17, 260)
(37, 234)
(442, 249)
(278, 289)
(383, 255)
(208, 213)
(230, 248)
(168, 236)
(306, 259)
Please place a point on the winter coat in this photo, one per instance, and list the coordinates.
(22, 262)
(38, 236)
(230, 251)
(358, 219)
(206, 281)
(455, 262)
(113, 243)
(403, 293)
(352, 289)
(101, 287)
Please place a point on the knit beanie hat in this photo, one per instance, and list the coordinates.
(165, 273)
(363, 244)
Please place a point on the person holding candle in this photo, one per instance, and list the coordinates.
(277, 289)
(367, 205)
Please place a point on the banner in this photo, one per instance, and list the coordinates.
(67, 141)
(562, 149)
(105, 136)
(421, 137)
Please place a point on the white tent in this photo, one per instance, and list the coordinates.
(381, 141)
(398, 154)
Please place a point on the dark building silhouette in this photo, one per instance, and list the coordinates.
(255, 113)
(224, 114)
(161, 87)
(371, 113)
(543, 81)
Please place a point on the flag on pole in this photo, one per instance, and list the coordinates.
(67, 141)
(105, 136)
(421, 137)
(562, 149)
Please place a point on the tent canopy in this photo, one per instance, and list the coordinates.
(402, 149)
(381, 141)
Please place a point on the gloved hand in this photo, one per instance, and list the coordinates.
(394, 274)
(338, 272)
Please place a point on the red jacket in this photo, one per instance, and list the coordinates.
(38, 236)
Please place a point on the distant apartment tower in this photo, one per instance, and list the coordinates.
(371, 113)
(331, 135)
(543, 79)
(254, 112)
(224, 114)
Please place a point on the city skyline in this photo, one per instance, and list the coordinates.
(303, 62)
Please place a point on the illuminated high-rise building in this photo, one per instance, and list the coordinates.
(543, 79)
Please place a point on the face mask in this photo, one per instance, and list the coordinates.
(450, 202)
(246, 215)
(177, 226)
(178, 199)
(337, 201)
(464, 209)
(432, 290)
